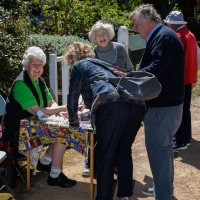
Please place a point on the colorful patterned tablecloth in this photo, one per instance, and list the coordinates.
(34, 134)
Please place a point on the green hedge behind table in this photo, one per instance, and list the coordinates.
(49, 44)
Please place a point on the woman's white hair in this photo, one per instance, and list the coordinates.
(33, 52)
(100, 25)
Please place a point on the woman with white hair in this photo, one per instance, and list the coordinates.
(115, 53)
(28, 95)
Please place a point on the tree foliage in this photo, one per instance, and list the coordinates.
(70, 17)
(13, 34)
(189, 7)
(163, 7)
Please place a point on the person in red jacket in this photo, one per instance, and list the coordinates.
(175, 20)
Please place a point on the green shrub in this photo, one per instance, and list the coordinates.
(54, 43)
(13, 35)
(67, 17)
(117, 19)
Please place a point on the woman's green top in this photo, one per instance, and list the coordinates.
(25, 97)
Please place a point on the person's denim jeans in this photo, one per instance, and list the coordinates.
(117, 124)
(161, 124)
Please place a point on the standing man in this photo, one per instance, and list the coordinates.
(163, 57)
(175, 21)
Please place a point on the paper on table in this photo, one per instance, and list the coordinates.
(44, 117)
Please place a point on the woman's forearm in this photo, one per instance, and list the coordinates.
(54, 110)
(51, 109)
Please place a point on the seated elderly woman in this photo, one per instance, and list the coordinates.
(116, 118)
(28, 95)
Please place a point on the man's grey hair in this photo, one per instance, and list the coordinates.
(98, 26)
(33, 52)
(146, 11)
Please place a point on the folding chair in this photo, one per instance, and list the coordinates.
(2, 109)
(2, 158)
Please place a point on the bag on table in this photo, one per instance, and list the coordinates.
(142, 86)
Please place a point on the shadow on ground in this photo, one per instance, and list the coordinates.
(191, 156)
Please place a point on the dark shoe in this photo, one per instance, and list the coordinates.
(180, 147)
(61, 181)
(148, 191)
(44, 168)
(20, 157)
(188, 143)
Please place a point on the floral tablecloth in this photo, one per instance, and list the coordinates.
(34, 134)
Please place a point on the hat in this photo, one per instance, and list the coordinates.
(175, 17)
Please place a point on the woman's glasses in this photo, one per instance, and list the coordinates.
(36, 65)
(101, 35)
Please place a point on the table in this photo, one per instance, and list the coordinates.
(35, 133)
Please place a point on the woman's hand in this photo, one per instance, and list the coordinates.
(116, 71)
(81, 107)
(64, 108)
(63, 114)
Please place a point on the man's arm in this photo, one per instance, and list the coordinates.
(161, 53)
